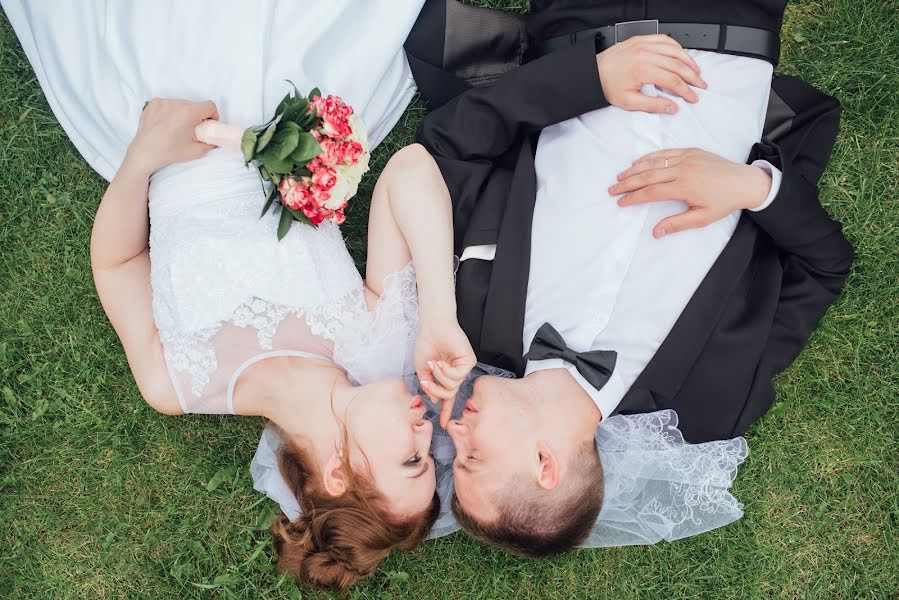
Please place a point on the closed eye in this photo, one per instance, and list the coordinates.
(414, 461)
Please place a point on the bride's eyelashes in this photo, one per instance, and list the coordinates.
(415, 460)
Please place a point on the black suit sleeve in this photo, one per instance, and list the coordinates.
(483, 124)
(816, 257)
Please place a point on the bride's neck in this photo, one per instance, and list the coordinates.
(303, 397)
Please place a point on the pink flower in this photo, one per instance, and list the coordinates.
(332, 151)
(338, 216)
(352, 151)
(334, 114)
(294, 194)
(323, 176)
(314, 213)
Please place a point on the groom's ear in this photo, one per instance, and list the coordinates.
(547, 467)
(334, 476)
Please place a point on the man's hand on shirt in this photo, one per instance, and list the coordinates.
(712, 186)
(443, 359)
(648, 59)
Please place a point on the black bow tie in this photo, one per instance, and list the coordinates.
(595, 366)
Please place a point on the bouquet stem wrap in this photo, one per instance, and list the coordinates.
(216, 133)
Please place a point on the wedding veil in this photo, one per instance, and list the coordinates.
(657, 486)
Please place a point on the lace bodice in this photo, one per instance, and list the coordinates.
(225, 290)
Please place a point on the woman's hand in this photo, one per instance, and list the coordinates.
(712, 186)
(165, 134)
(648, 59)
(443, 359)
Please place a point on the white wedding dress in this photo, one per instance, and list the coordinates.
(226, 293)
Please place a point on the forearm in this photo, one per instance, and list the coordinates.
(484, 123)
(121, 226)
(421, 208)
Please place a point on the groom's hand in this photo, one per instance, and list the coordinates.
(443, 359)
(648, 60)
(712, 186)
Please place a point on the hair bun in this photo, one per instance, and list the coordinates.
(325, 555)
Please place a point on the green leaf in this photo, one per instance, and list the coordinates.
(296, 111)
(295, 90)
(307, 148)
(283, 143)
(283, 104)
(285, 223)
(269, 199)
(315, 92)
(248, 145)
(267, 136)
(299, 216)
(275, 165)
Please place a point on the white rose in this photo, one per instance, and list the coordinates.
(360, 133)
(344, 189)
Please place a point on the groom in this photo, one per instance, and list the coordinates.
(580, 272)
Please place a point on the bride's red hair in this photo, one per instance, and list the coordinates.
(339, 540)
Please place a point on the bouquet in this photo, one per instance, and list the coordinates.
(313, 154)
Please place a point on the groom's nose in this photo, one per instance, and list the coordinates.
(458, 432)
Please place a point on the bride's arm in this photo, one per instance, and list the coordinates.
(120, 258)
(411, 219)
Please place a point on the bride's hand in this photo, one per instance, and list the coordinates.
(165, 134)
(443, 359)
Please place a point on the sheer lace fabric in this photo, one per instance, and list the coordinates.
(373, 345)
(225, 290)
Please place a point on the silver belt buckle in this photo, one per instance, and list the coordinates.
(628, 29)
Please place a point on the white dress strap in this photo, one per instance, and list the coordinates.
(259, 358)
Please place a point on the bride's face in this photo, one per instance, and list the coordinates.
(390, 437)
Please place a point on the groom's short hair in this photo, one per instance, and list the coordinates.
(535, 523)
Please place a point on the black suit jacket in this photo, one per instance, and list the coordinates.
(751, 315)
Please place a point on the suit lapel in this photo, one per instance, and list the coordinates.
(672, 362)
(504, 308)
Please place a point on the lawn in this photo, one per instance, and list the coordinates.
(100, 497)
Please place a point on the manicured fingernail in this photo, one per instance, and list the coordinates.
(661, 232)
(613, 190)
(669, 109)
(431, 364)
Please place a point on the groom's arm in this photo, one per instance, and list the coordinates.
(484, 123)
(816, 255)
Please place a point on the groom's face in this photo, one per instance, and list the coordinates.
(494, 439)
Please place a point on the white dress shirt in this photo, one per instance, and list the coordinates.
(597, 275)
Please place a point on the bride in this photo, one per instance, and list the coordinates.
(215, 315)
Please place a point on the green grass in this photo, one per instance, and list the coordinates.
(100, 497)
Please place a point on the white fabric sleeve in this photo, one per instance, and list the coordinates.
(776, 177)
(487, 252)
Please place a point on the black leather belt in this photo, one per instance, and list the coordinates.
(727, 39)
